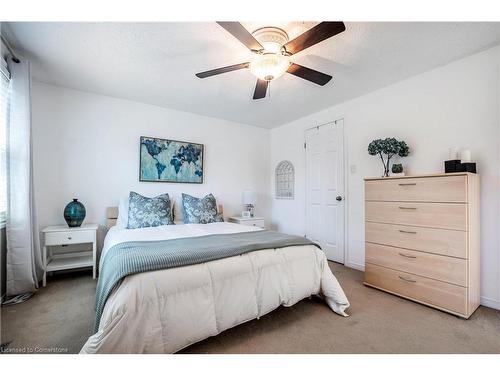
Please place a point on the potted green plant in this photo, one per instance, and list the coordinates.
(397, 169)
(389, 147)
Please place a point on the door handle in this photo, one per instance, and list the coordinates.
(339, 198)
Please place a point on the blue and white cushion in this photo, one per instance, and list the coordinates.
(200, 210)
(148, 212)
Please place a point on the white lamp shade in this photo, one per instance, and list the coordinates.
(249, 197)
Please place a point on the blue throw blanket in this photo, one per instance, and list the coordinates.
(129, 258)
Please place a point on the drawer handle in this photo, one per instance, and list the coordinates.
(69, 238)
(407, 231)
(408, 184)
(407, 280)
(407, 256)
(407, 208)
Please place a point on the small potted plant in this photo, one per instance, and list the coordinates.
(389, 147)
(397, 169)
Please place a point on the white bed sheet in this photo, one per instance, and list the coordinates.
(164, 311)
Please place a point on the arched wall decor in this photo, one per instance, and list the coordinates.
(284, 180)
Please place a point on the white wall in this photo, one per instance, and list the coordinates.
(454, 105)
(86, 146)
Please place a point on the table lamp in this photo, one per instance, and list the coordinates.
(249, 198)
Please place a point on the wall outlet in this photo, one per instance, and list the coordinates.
(353, 169)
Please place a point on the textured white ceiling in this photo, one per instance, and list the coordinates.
(155, 63)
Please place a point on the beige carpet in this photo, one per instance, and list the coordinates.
(59, 317)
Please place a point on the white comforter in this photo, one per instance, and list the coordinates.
(167, 310)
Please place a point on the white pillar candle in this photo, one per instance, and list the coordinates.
(465, 156)
(453, 153)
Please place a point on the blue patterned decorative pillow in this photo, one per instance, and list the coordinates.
(148, 212)
(200, 210)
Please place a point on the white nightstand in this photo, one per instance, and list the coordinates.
(252, 221)
(63, 235)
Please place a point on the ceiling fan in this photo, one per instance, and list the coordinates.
(272, 50)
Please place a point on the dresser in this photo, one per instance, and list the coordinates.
(422, 239)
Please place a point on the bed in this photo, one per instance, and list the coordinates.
(165, 310)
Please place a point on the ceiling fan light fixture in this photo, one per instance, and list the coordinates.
(269, 66)
(271, 49)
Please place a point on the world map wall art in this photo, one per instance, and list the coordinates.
(164, 160)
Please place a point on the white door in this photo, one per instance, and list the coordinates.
(325, 188)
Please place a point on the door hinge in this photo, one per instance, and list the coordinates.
(305, 145)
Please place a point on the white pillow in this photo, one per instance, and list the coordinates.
(122, 220)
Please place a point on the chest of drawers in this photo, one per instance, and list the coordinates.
(422, 239)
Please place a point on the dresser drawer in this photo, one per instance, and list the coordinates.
(434, 215)
(424, 189)
(438, 241)
(447, 269)
(422, 289)
(68, 238)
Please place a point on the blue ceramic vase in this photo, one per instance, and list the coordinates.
(74, 213)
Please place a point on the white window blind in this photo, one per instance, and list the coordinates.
(4, 110)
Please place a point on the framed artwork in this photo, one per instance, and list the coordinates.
(166, 160)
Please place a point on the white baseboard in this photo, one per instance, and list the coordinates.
(490, 302)
(356, 266)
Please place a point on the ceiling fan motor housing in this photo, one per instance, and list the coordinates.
(271, 38)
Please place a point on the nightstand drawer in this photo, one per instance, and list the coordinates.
(249, 221)
(70, 237)
(254, 223)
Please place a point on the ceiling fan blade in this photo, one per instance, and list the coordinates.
(225, 69)
(260, 89)
(314, 35)
(309, 74)
(237, 30)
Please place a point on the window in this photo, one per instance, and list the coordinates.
(4, 108)
(285, 180)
